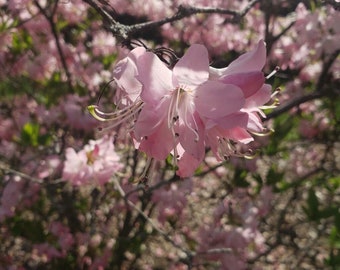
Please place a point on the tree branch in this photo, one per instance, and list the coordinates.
(50, 19)
(126, 31)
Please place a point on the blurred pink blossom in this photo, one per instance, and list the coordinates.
(96, 163)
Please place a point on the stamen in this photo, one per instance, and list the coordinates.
(277, 68)
(186, 122)
(277, 91)
(172, 111)
(266, 132)
(228, 148)
(275, 103)
(118, 115)
(251, 154)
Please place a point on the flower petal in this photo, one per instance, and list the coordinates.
(155, 77)
(238, 119)
(241, 135)
(187, 165)
(193, 67)
(129, 88)
(250, 61)
(192, 139)
(159, 144)
(149, 119)
(261, 97)
(215, 99)
(255, 123)
(249, 82)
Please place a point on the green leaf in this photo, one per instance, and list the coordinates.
(30, 134)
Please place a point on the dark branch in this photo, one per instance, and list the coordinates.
(126, 31)
(294, 103)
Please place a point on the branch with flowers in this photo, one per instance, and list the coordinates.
(177, 167)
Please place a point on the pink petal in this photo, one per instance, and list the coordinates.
(124, 74)
(239, 119)
(149, 119)
(193, 67)
(159, 144)
(249, 82)
(212, 136)
(250, 61)
(215, 99)
(155, 77)
(255, 123)
(187, 165)
(241, 135)
(260, 98)
(192, 142)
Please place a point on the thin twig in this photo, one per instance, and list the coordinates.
(4, 167)
(50, 19)
(189, 253)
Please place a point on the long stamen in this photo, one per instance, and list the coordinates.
(277, 91)
(117, 115)
(173, 109)
(275, 103)
(273, 73)
(186, 122)
(266, 132)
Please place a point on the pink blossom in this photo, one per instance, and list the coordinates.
(17, 194)
(245, 73)
(95, 163)
(7, 128)
(176, 100)
(65, 238)
(49, 166)
(171, 200)
(183, 110)
(127, 97)
(11, 197)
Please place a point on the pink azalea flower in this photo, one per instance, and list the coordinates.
(183, 110)
(96, 162)
(176, 100)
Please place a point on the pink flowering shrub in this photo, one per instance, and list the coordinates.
(195, 157)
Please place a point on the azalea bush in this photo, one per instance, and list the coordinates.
(169, 134)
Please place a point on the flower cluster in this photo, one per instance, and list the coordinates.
(97, 161)
(191, 107)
